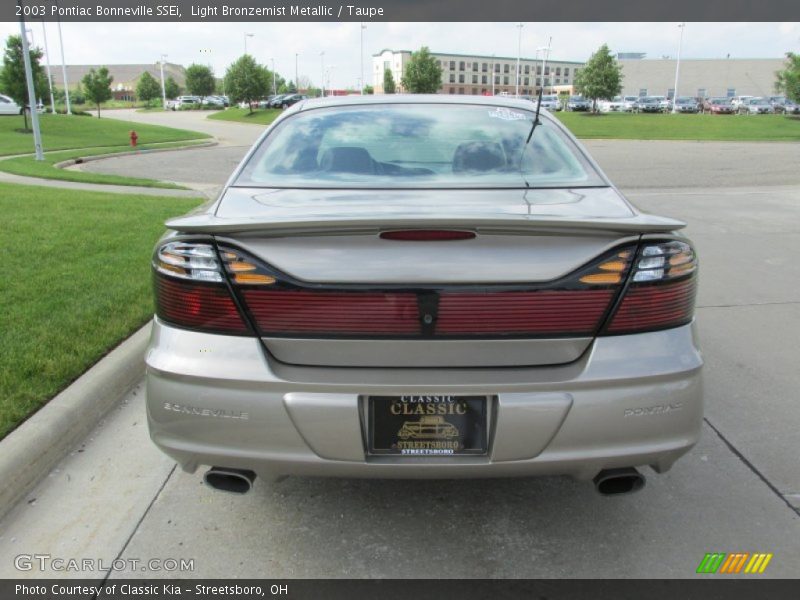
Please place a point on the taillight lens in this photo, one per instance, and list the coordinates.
(662, 289)
(191, 291)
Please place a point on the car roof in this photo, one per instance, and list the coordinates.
(371, 99)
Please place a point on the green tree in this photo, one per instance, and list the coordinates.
(12, 76)
(788, 80)
(423, 75)
(388, 82)
(171, 88)
(246, 81)
(368, 89)
(600, 78)
(147, 88)
(97, 87)
(200, 81)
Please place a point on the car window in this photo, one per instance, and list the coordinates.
(416, 145)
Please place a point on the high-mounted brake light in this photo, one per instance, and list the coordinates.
(427, 235)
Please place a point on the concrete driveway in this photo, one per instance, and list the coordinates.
(116, 497)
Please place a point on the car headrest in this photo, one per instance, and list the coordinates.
(347, 159)
(478, 156)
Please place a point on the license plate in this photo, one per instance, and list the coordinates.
(427, 425)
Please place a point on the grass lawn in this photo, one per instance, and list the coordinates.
(76, 283)
(30, 167)
(60, 132)
(243, 115)
(683, 127)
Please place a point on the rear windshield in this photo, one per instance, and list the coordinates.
(416, 146)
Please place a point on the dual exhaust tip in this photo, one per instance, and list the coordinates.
(609, 482)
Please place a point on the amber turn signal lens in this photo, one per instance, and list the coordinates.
(602, 278)
(253, 279)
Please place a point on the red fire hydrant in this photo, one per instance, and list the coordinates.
(134, 137)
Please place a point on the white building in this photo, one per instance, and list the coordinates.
(478, 74)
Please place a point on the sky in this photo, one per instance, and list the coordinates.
(219, 44)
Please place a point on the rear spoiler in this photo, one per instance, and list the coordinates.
(211, 224)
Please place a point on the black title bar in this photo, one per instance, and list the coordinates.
(398, 10)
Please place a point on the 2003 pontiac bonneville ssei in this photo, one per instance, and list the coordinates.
(423, 286)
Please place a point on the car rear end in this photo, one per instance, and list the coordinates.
(309, 329)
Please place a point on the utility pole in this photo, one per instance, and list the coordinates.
(49, 74)
(322, 55)
(63, 65)
(163, 86)
(519, 56)
(363, 27)
(682, 26)
(37, 134)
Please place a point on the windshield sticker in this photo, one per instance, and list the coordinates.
(506, 115)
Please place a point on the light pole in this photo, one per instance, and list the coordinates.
(361, 55)
(492, 74)
(163, 85)
(329, 74)
(545, 55)
(519, 56)
(63, 64)
(49, 74)
(682, 26)
(296, 76)
(26, 57)
(322, 56)
(247, 35)
(273, 77)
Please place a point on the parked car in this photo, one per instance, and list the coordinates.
(648, 104)
(339, 290)
(549, 102)
(665, 103)
(9, 107)
(686, 104)
(630, 103)
(791, 108)
(291, 99)
(276, 101)
(213, 102)
(718, 106)
(578, 103)
(185, 102)
(756, 106)
(617, 104)
(737, 101)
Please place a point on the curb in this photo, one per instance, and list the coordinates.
(79, 161)
(31, 451)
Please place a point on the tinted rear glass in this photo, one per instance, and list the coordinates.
(416, 146)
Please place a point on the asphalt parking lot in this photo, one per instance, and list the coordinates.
(116, 496)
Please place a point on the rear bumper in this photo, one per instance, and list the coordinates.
(219, 400)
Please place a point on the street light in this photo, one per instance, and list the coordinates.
(26, 57)
(492, 74)
(363, 27)
(682, 26)
(545, 55)
(247, 35)
(49, 74)
(296, 55)
(163, 86)
(519, 56)
(63, 62)
(322, 56)
(273, 77)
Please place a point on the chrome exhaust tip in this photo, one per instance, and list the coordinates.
(613, 482)
(233, 481)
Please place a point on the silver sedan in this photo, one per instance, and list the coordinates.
(423, 286)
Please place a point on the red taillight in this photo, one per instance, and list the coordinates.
(655, 306)
(427, 235)
(662, 290)
(544, 312)
(196, 305)
(284, 312)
